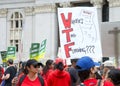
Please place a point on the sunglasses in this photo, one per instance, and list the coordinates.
(36, 66)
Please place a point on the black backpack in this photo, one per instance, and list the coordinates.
(39, 76)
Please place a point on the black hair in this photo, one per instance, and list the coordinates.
(114, 74)
(59, 66)
(98, 76)
(20, 63)
(23, 69)
(10, 61)
(28, 64)
(41, 64)
(74, 60)
(83, 74)
(46, 67)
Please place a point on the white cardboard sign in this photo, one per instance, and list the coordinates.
(79, 32)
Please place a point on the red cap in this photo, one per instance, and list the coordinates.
(58, 60)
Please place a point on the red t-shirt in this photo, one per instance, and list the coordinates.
(108, 83)
(45, 76)
(28, 82)
(94, 82)
(1, 73)
(90, 82)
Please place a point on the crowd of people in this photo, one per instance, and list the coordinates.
(82, 72)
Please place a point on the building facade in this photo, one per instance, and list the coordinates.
(23, 22)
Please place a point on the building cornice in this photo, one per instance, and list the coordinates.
(45, 8)
(15, 1)
(114, 3)
(65, 4)
(29, 11)
(3, 12)
(97, 3)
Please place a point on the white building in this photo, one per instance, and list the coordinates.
(28, 21)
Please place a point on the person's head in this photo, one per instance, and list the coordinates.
(85, 67)
(107, 66)
(49, 65)
(59, 64)
(114, 76)
(32, 66)
(20, 64)
(23, 64)
(73, 62)
(10, 61)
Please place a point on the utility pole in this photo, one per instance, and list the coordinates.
(116, 32)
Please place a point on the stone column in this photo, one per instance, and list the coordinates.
(46, 27)
(3, 29)
(28, 31)
(114, 10)
(29, 12)
(114, 16)
(98, 4)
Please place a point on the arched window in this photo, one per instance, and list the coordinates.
(16, 26)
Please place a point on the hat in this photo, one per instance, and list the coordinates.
(108, 64)
(32, 62)
(85, 63)
(97, 64)
(58, 60)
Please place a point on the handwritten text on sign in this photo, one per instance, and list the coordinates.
(79, 32)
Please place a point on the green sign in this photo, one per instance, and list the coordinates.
(11, 51)
(34, 51)
(3, 55)
(42, 49)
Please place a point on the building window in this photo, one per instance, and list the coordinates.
(105, 11)
(16, 26)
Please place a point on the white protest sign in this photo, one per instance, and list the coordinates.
(79, 32)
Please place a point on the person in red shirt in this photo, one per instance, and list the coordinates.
(87, 73)
(48, 68)
(59, 77)
(31, 78)
(85, 67)
(107, 66)
(1, 73)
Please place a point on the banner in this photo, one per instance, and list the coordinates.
(11, 53)
(3, 55)
(34, 51)
(79, 32)
(42, 49)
